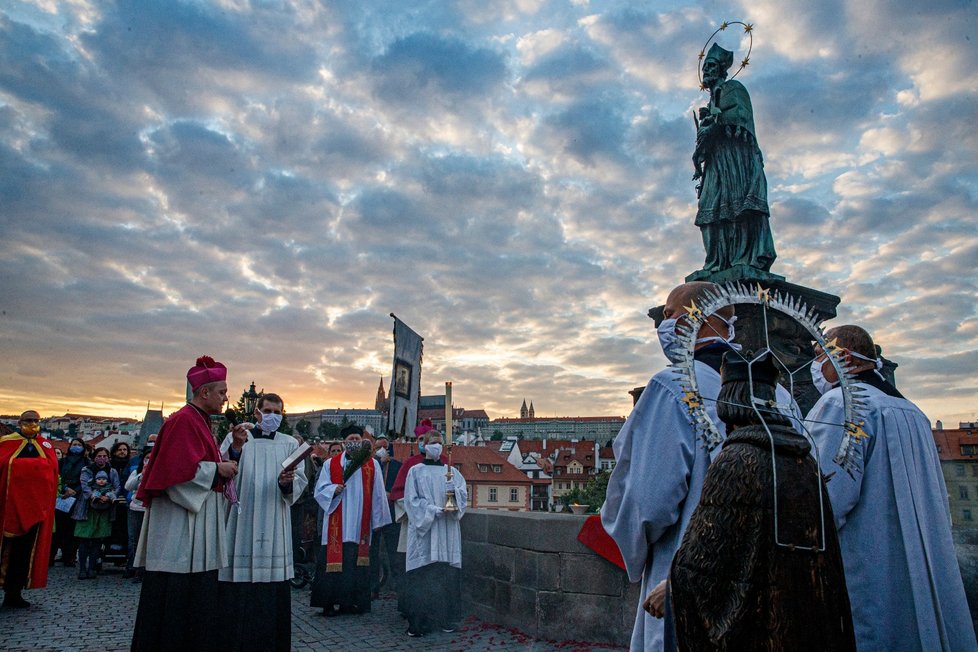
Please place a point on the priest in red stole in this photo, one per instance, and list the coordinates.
(28, 489)
(355, 508)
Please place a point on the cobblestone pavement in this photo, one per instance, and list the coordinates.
(98, 615)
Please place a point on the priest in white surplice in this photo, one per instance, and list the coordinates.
(891, 512)
(354, 508)
(182, 541)
(432, 583)
(259, 532)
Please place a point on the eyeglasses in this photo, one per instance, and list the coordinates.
(30, 420)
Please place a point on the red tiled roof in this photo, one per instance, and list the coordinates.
(949, 444)
(474, 414)
(468, 458)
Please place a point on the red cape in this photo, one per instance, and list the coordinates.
(28, 489)
(184, 441)
(594, 536)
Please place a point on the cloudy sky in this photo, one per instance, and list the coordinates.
(264, 182)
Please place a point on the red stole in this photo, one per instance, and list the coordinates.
(184, 441)
(28, 489)
(334, 537)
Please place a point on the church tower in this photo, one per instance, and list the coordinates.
(531, 413)
(524, 412)
(380, 404)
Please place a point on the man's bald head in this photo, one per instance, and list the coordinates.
(686, 294)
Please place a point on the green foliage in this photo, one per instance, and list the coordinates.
(497, 435)
(591, 494)
(329, 430)
(303, 427)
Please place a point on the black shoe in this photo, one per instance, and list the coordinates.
(15, 601)
(414, 634)
(449, 629)
(138, 579)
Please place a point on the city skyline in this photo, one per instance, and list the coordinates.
(512, 179)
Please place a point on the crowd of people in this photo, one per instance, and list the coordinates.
(211, 531)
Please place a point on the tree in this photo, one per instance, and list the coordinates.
(303, 427)
(329, 430)
(497, 435)
(592, 494)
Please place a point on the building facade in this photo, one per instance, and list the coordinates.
(958, 450)
(600, 429)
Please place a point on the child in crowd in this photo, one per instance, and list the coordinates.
(96, 528)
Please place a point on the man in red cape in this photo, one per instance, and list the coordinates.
(182, 542)
(28, 489)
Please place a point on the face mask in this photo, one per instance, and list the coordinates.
(878, 362)
(101, 461)
(30, 429)
(75, 450)
(728, 341)
(432, 451)
(381, 454)
(352, 447)
(668, 339)
(421, 447)
(270, 422)
(818, 379)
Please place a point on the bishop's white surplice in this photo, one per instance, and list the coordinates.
(894, 527)
(433, 536)
(259, 528)
(183, 529)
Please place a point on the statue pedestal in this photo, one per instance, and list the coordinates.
(789, 341)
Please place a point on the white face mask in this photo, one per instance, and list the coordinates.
(818, 378)
(270, 422)
(381, 454)
(668, 339)
(432, 451)
(716, 338)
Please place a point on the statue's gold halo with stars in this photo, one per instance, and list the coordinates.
(748, 29)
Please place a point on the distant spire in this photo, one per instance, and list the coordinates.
(532, 412)
(524, 412)
(380, 403)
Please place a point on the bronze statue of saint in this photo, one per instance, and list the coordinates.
(760, 567)
(732, 213)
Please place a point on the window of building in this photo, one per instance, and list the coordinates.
(974, 470)
(959, 470)
(963, 492)
(969, 449)
(514, 494)
(496, 468)
(492, 495)
(966, 514)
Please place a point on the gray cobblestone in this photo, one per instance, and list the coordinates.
(55, 623)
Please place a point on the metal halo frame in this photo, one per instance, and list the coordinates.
(748, 29)
(736, 293)
(732, 294)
